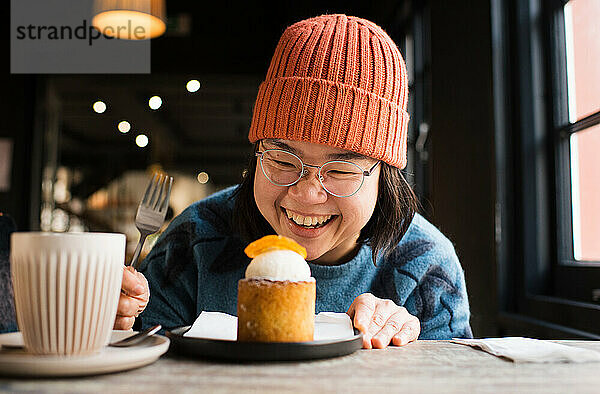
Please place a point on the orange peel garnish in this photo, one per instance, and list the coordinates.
(273, 242)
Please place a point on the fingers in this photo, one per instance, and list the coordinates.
(409, 332)
(134, 283)
(128, 306)
(361, 311)
(133, 298)
(382, 321)
(127, 310)
(383, 310)
(124, 322)
(398, 325)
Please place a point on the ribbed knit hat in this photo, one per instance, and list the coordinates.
(336, 80)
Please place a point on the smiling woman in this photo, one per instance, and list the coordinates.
(329, 129)
(387, 222)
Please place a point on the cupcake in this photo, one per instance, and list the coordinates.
(276, 300)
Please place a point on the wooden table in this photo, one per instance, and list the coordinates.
(421, 367)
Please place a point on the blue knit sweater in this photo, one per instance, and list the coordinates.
(197, 262)
(8, 320)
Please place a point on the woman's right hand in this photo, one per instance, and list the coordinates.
(134, 297)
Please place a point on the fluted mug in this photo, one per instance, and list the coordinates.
(66, 288)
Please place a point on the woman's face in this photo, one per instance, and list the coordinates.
(286, 206)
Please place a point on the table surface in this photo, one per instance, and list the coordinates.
(420, 367)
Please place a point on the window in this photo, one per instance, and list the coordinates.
(575, 26)
(585, 193)
(548, 52)
(582, 48)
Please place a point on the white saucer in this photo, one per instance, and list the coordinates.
(17, 362)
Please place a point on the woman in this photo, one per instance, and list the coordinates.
(329, 127)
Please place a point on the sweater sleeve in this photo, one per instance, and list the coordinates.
(440, 297)
(425, 276)
(173, 280)
(8, 321)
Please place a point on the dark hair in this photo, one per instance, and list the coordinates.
(395, 208)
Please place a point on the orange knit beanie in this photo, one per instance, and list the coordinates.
(336, 80)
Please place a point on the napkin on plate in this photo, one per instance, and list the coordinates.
(218, 325)
(528, 350)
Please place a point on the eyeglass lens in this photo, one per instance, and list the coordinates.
(340, 178)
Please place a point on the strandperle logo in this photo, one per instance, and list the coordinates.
(61, 37)
(80, 32)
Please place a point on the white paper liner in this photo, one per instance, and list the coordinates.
(218, 325)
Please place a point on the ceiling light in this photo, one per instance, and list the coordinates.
(155, 102)
(124, 126)
(130, 19)
(192, 86)
(141, 140)
(99, 107)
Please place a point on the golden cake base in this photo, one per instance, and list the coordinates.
(276, 311)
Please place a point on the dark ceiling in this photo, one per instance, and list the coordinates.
(240, 36)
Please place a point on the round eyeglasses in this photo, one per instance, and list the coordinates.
(339, 178)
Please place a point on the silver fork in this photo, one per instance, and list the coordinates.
(152, 211)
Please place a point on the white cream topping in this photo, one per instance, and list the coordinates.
(279, 264)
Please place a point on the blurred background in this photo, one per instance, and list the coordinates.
(504, 100)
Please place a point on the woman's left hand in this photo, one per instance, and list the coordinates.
(382, 321)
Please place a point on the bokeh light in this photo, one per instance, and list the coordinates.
(99, 107)
(203, 177)
(192, 86)
(141, 140)
(124, 126)
(155, 102)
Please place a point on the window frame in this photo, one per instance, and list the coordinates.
(535, 280)
(567, 269)
(413, 37)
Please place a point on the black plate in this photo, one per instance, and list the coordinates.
(261, 351)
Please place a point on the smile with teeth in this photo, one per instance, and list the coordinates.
(308, 221)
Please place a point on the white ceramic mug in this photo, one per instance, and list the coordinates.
(66, 288)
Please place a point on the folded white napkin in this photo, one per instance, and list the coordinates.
(218, 325)
(214, 325)
(528, 350)
(333, 326)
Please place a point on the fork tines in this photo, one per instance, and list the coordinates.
(158, 192)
